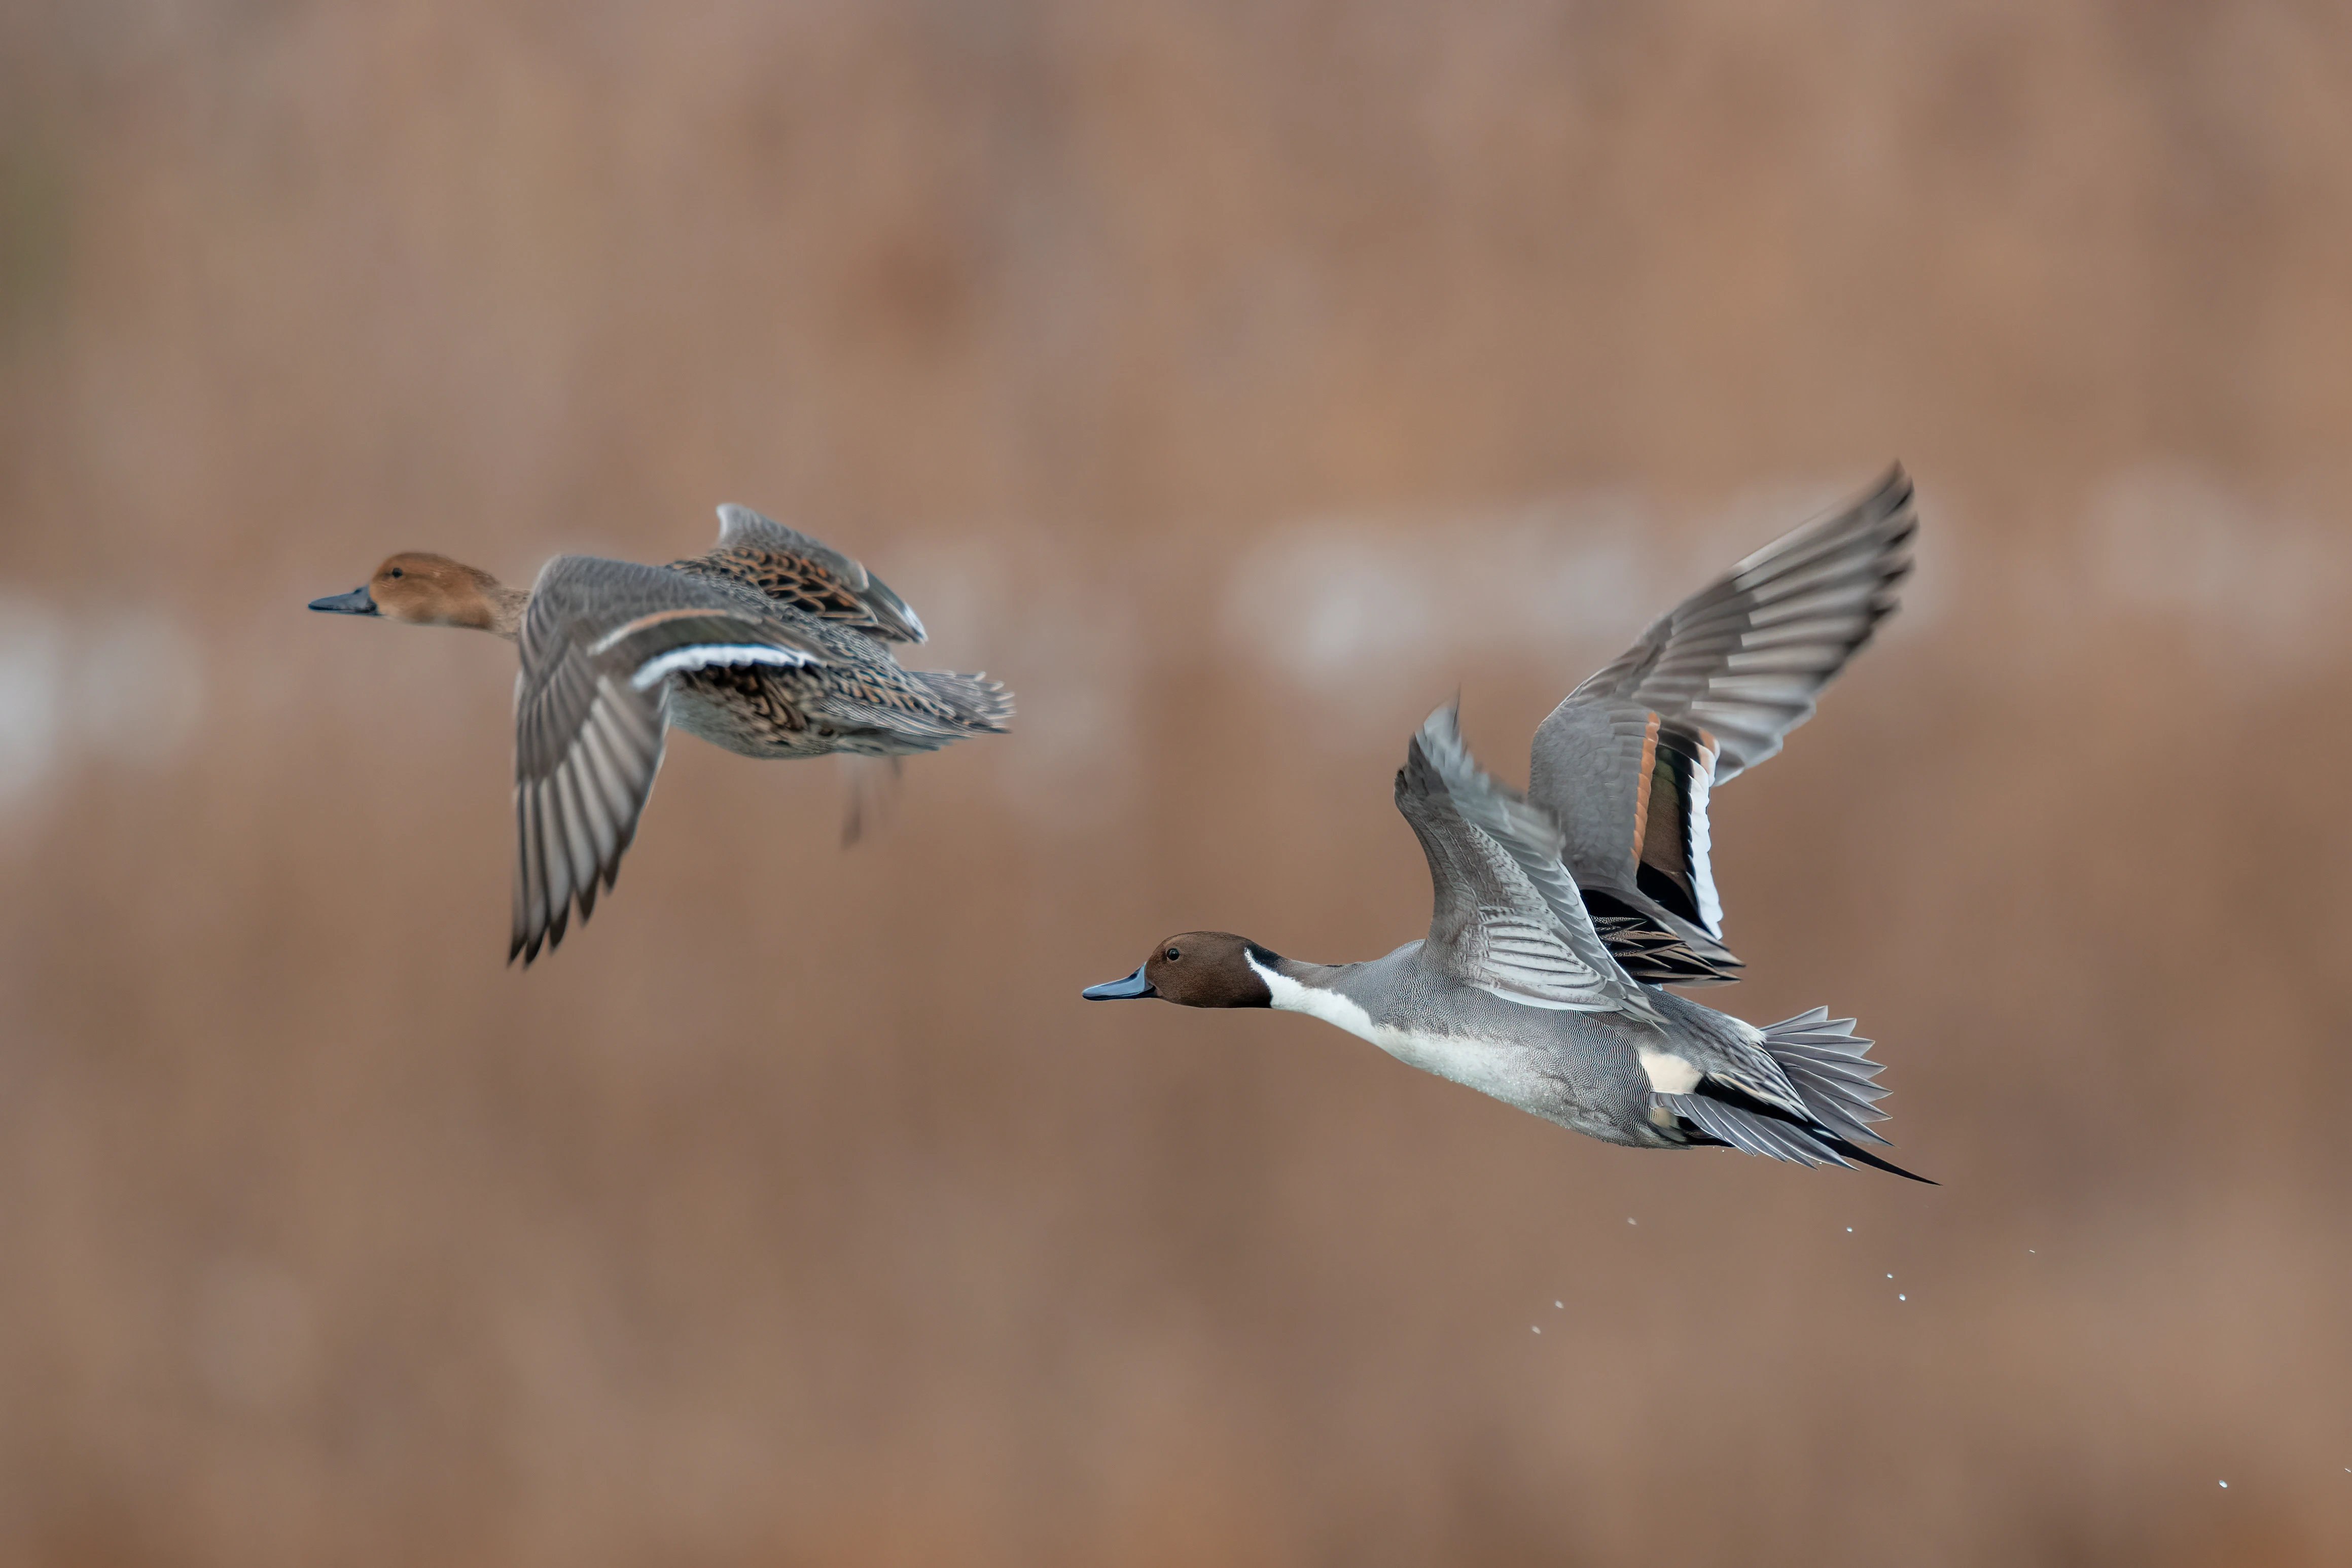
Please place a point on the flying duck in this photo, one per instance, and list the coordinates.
(1562, 915)
(773, 645)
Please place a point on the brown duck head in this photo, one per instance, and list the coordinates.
(428, 590)
(1197, 969)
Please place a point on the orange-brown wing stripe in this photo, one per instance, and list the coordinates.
(1642, 794)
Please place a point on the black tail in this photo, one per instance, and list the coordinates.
(1875, 1163)
(1717, 1113)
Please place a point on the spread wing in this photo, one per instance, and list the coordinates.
(1626, 761)
(1507, 917)
(600, 640)
(793, 569)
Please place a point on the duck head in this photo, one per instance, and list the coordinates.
(1197, 969)
(426, 590)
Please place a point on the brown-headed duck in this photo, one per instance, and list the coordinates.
(771, 645)
(1562, 915)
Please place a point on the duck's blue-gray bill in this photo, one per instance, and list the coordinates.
(1134, 984)
(358, 602)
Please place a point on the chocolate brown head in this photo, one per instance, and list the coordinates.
(428, 590)
(1197, 969)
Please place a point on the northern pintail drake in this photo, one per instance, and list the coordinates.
(773, 645)
(1562, 915)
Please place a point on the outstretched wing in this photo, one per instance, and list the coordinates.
(1507, 916)
(600, 640)
(793, 569)
(1625, 763)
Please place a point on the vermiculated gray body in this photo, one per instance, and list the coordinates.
(1560, 916)
(1582, 1070)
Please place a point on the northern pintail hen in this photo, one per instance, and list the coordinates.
(1562, 915)
(773, 645)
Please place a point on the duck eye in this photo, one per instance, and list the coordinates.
(395, 572)
(1171, 955)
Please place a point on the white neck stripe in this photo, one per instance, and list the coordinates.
(1293, 996)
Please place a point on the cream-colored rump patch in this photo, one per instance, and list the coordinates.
(1668, 1074)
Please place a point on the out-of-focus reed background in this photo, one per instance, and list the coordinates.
(1234, 381)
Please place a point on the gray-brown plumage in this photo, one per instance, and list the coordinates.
(773, 645)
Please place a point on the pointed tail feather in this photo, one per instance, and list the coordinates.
(1825, 1060)
(1737, 1122)
(980, 702)
(1889, 1166)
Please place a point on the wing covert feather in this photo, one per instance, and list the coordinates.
(795, 569)
(599, 640)
(1506, 915)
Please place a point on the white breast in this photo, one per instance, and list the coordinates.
(1455, 1058)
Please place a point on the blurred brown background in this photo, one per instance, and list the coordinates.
(1236, 381)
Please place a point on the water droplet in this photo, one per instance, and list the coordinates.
(1558, 1303)
(1849, 1230)
(1630, 1220)
(1890, 1276)
(1901, 1296)
(1532, 1326)
(2225, 1486)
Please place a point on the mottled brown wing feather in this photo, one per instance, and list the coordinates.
(600, 642)
(793, 569)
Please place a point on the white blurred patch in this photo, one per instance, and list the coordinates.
(122, 688)
(1344, 605)
(1349, 605)
(2168, 539)
(32, 661)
